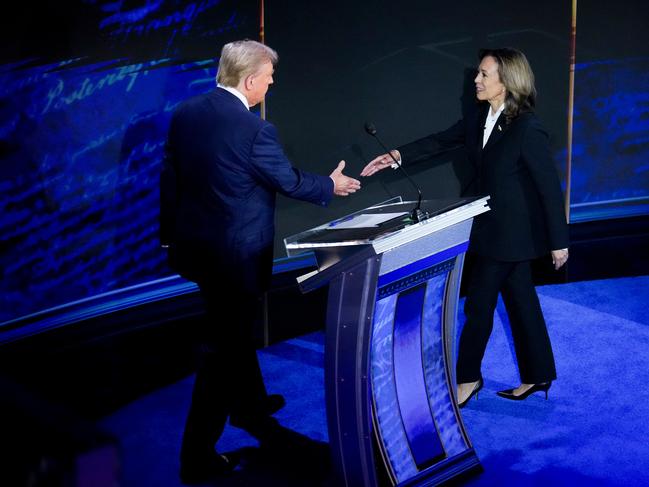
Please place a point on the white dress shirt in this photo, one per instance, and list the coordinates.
(490, 122)
(236, 93)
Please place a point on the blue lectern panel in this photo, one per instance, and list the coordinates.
(424, 268)
(386, 406)
(411, 396)
(417, 420)
(441, 403)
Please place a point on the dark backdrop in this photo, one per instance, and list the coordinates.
(406, 66)
(86, 92)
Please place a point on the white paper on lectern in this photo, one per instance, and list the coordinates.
(365, 220)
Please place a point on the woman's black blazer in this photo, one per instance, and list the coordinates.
(516, 169)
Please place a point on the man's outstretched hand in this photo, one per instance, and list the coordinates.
(343, 185)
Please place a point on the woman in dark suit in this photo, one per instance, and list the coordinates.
(511, 156)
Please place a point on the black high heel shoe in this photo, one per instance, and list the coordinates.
(474, 392)
(509, 393)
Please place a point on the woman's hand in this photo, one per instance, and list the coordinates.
(381, 162)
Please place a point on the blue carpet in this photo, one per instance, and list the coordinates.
(593, 430)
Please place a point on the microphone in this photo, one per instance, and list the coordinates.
(417, 214)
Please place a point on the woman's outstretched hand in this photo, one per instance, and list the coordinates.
(380, 162)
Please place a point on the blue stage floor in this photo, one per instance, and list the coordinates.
(593, 430)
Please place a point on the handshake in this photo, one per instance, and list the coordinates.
(344, 185)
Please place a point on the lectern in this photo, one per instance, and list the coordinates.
(390, 340)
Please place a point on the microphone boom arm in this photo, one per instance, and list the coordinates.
(416, 214)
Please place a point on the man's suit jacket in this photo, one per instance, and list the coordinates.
(515, 168)
(222, 169)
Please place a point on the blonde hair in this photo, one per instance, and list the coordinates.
(516, 74)
(240, 59)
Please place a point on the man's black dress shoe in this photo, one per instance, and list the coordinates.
(509, 393)
(198, 471)
(272, 404)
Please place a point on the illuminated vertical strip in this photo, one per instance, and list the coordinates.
(262, 39)
(423, 438)
(571, 97)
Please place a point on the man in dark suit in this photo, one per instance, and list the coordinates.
(511, 157)
(222, 170)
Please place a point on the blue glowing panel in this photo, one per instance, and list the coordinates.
(81, 140)
(176, 20)
(610, 155)
(412, 401)
(80, 178)
(439, 396)
(390, 427)
(418, 423)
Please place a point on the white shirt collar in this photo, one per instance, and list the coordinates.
(495, 116)
(236, 93)
(490, 122)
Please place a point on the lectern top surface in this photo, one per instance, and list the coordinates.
(396, 211)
